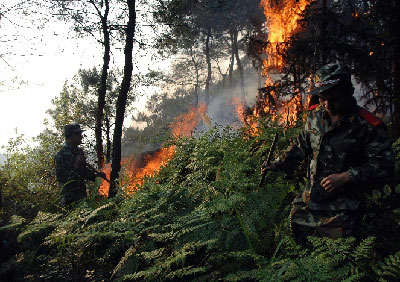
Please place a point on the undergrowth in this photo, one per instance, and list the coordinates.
(202, 218)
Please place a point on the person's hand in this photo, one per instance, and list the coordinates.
(101, 174)
(265, 167)
(334, 181)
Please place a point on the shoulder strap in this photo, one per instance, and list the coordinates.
(372, 120)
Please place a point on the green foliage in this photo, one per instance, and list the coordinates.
(28, 176)
(202, 218)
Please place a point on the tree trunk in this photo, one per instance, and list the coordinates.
(208, 59)
(396, 73)
(324, 55)
(101, 99)
(235, 48)
(231, 63)
(123, 94)
(108, 139)
(196, 87)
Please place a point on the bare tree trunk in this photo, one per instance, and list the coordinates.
(108, 139)
(324, 55)
(123, 94)
(231, 63)
(196, 87)
(208, 59)
(235, 48)
(101, 99)
(396, 79)
(223, 75)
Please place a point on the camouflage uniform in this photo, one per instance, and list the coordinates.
(71, 179)
(358, 144)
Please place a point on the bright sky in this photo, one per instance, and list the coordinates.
(34, 65)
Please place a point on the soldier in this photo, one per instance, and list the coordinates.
(71, 167)
(348, 152)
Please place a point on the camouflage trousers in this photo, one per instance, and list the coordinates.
(325, 223)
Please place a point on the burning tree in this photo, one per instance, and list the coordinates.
(281, 97)
(304, 35)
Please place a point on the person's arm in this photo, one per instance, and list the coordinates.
(83, 168)
(63, 168)
(295, 153)
(292, 157)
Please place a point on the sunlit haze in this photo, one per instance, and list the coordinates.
(34, 65)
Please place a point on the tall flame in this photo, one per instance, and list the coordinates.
(282, 23)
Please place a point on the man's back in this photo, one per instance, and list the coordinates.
(71, 173)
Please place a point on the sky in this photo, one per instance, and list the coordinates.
(34, 65)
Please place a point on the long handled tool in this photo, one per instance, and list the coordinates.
(96, 171)
(269, 158)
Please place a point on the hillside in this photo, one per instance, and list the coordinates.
(201, 218)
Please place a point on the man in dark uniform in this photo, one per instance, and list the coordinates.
(348, 151)
(72, 169)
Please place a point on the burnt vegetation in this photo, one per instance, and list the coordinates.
(202, 217)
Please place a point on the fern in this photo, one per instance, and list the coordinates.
(389, 268)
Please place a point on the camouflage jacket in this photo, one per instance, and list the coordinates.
(70, 177)
(357, 143)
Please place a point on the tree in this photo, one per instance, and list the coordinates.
(77, 103)
(362, 34)
(89, 17)
(192, 24)
(123, 92)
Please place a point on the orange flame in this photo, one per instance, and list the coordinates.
(248, 120)
(183, 125)
(104, 186)
(136, 176)
(240, 108)
(282, 23)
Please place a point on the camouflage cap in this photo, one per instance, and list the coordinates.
(329, 76)
(72, 128)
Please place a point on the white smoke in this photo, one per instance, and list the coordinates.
(221, 110)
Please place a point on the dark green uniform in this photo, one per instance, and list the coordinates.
(358, 144)
(71, 178)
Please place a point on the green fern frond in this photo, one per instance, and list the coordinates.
(364, 250)
(389, 269)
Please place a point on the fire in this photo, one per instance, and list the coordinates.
(282, 23)
(183, 125)
(248, 120)
(104, 186)
(136, 176)
(240, 108)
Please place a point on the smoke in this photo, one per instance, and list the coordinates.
(222, 108)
